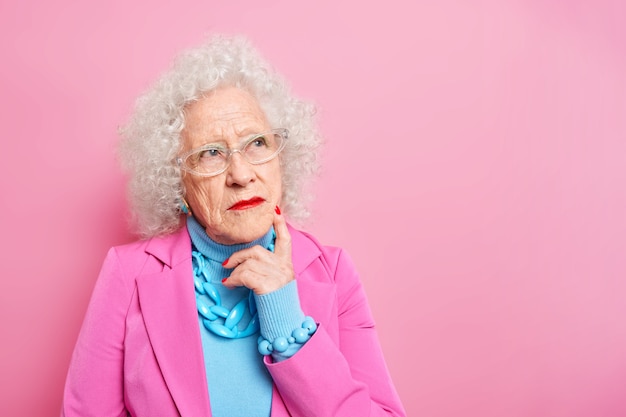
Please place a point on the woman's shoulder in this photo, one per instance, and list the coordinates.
(306, 248)
(168, 249)
(305, 241)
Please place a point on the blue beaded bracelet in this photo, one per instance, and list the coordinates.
(281, 344)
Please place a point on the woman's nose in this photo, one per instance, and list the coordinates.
(239, 172)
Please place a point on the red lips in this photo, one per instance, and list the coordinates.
(246, 204)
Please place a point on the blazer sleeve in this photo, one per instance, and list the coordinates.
(344, 379)
(94, 385)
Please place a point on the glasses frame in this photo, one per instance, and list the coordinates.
(283, 132)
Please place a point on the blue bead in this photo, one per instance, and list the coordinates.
(220, 311)
(265, 347)
(280, 344)
(309, 324)
(253, 327)
(197, 282)
(212, 292)
(204, 309)
(291, 340)
(220, 329)
(301, 335)
(236, 314)
(205, 274)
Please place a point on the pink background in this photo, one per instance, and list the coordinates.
(474, 169)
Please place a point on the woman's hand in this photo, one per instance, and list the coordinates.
(259, 269)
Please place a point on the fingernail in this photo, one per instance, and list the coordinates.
(277, 210)
(225, 262)
(224, 280)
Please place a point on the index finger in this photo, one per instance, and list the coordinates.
(282, 246)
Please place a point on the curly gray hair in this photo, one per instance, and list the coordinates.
(151, 138)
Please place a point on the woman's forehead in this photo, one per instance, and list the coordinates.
(227, 114)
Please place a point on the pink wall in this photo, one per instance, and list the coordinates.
(481, 144)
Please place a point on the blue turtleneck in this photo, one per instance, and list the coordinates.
(238, 381)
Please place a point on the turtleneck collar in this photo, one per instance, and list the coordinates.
(217, 251)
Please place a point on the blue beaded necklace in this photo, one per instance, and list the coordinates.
(216, 318)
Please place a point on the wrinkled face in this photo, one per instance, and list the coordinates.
(236, 206)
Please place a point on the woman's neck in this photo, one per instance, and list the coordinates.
(217, 251)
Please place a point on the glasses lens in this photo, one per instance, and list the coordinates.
(207, 160)
(263, 147)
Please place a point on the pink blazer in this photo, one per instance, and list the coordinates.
(139, 351)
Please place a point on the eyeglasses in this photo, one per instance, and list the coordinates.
(213, 159)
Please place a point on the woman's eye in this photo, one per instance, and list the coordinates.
(259, 142)
(209, 153)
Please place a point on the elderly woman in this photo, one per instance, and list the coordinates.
(223, 309)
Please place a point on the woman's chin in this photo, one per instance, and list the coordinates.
(244, 228)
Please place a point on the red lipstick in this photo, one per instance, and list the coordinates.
(246, 204)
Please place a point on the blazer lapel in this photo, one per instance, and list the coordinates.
(317, 297)
(168, 306)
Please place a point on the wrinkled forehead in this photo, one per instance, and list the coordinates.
(225, 115)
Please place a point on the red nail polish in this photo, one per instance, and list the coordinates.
(277, 210)
(224, 280)
(225, 262)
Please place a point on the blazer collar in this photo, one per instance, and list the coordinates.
(171, 249)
